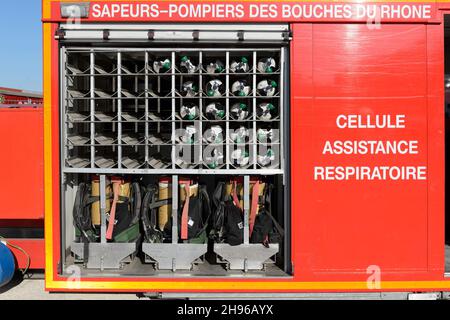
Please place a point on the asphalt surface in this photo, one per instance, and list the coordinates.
(34, 289)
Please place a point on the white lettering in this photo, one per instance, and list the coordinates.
(405, 173)
(339, 122)
(371, 147)
(371, 122)
(266, 11)
(319, 173)
(96, 11)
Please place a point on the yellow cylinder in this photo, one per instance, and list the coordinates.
(125, 191)
(193, 191)
(164, 212)
(95, 207)
(240, 191)
(228, 188)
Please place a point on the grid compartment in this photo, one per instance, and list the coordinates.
(166, 111)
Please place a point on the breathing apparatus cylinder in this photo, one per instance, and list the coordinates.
(95, 207)
(267, 65)
(240, 66)
(162, 65)
(215, 67)
(164, 212)
(187, 65)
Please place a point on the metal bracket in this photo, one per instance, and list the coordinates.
(106, 34)
(106, 255)
(287, 35)
(103, 209)
(169, 256)
(196, 35)
(246, 256)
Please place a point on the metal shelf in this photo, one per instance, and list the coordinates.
(169, 171)
(82, 74)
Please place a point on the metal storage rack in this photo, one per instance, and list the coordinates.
(121, 116)
(118, 112)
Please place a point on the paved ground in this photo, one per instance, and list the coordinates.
(33, 289)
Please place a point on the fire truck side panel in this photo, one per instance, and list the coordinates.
(22, 147)
(345, 229)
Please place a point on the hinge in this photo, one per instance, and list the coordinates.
(287, 35)
(60, 34)
(59, 267)
(196, 35)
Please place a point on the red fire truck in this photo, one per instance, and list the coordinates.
(22, 220)
(335, 107)
(15, 96)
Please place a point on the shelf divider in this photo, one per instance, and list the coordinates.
(174, 155)
(146, 109)
(281, 110)
(175, 203)
(200, 107)
(227, 108)
(246, 209)
(92, 107)
(103, 209)
(254, 107)
(119, 109)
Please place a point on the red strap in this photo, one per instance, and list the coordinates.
(254, 208)
(112, 214)
(234, 195)
(185, 215)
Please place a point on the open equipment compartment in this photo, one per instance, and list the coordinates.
(195, 110)
(447, 138)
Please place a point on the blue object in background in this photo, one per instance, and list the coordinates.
(7, 265)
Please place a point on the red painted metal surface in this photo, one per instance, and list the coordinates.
(342, 228)
(35, 248)
(253, 11)
(22, 182)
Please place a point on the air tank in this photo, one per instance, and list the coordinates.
(7, 265)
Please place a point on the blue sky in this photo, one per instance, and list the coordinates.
(21, 44)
